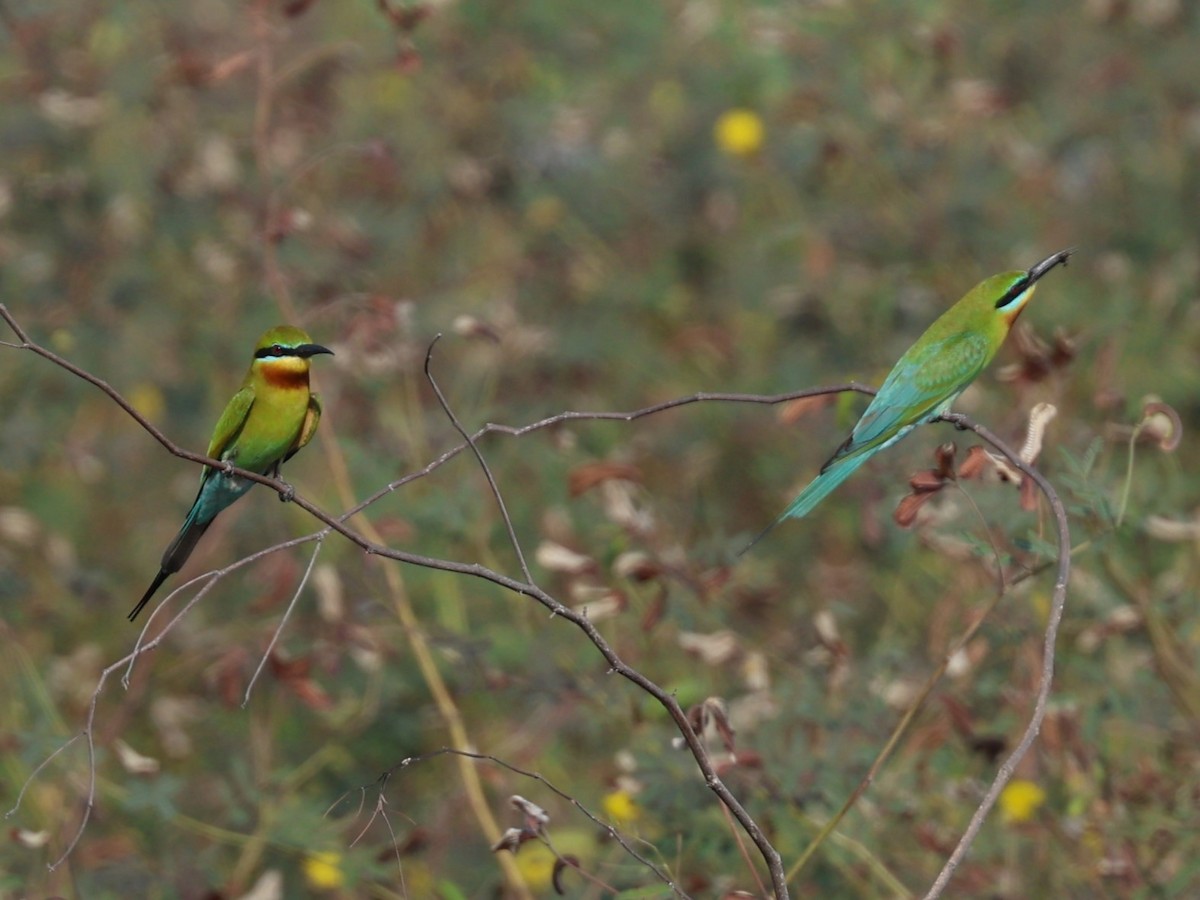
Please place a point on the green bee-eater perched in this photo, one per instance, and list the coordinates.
(929, 376)
(271, 417)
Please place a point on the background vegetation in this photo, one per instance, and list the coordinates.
(603, 205)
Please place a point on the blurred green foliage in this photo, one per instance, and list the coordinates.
(551, 184)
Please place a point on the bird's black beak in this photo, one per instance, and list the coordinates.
(1049, 263)
(304, 351)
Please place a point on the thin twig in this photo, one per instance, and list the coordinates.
(487, 472)
(37, 770)
(1057, 606)
(283, 620)
(586, 416)
(212, 577)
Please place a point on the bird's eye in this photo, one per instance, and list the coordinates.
(277, 350)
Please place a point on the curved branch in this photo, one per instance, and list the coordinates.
(1057, 606)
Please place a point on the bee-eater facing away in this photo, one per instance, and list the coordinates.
(271, 416)
(929, 376)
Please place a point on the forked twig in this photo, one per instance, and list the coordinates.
(283, 620)
(487, 472)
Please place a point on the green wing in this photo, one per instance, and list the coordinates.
(232, 419)
(311, 419)
(922, 385)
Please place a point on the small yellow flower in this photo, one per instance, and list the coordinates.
(535, 862)
(545, 212)
(323, 870)
(148, 400)
(739, 132)
(62, 340)
(1020, 800)
(621, 808)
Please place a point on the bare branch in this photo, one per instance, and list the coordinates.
(441, 398)
(1058, 604)
(287, 614)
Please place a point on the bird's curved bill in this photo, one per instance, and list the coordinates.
(1049, 263)
(307, 350)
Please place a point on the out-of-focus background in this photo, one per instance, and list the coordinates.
(601, 206)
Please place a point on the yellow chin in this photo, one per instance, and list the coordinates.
(284, 365)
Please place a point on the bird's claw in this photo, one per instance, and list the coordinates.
(288, 494)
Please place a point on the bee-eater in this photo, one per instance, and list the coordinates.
(271, 416)
(929, 376)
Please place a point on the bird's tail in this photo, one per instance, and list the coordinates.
(835, 472)
(175, 556)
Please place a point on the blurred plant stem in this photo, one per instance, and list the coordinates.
(336, 461)
(1171, 660)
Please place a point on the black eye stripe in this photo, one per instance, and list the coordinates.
(1022, 284)
(274, 350)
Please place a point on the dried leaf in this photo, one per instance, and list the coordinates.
(1029, 495)
(927, 481)
(906, 511)
(472, 327)
(294, 675)
(295, 8)
(714, 649)
(134, 762)
(311, 694)
(826, 627)
(1172, 530)
(1038, 359)
(959, 715)
(561, 864)
(655, 611)
(327, 584)
(231, 66)
(512, 839)
(714, 710)
(585, 477)
(636, 566)
(944, 455)
(597, 602)
(977, 462)
(1162, 424)
(555, 557)
(536, 818)
(32, 840)
(794, 410)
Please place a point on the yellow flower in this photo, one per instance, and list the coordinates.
(535, 861)
(62, 340)
(148, 400)
(621, 808)
(323, 872)
(1020, 800)
(739, 132)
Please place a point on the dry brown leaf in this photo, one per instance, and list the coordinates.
(794, 410)
(587, 476)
